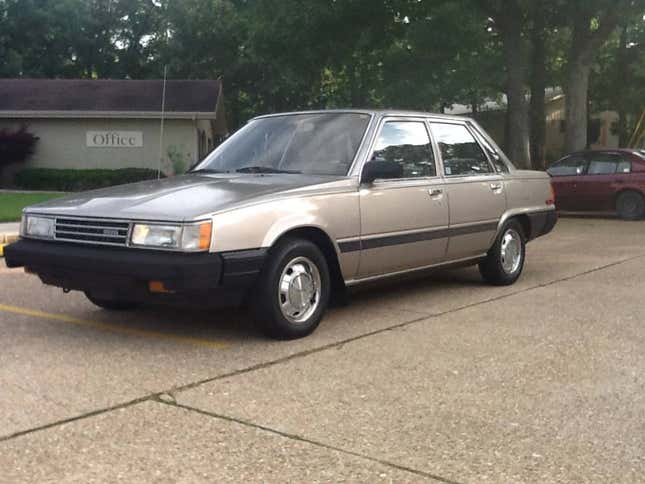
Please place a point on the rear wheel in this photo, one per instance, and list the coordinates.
(112, 304)
(630, 205)
(505, 260)
(293, 290)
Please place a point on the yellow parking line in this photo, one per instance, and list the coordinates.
(112, 328)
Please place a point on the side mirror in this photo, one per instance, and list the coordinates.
(373, 170)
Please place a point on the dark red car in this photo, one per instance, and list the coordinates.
(601, 180)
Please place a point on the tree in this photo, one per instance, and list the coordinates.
(591, 23)
(287, 55)
(16, 146)
(139, 21)
(464, 69)
(537, 111)
(37, 36)
(510, 20)
(621, 62)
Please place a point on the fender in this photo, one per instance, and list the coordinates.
(530, 211)
(259, 226)
(295, 222)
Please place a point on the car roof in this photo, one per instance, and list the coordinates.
(605, 150)
(373, 112)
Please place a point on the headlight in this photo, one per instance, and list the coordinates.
(38, 226)
(192, 237)
(166, 236)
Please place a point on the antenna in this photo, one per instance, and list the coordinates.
(163, 114)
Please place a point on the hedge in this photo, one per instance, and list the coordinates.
(66, 180)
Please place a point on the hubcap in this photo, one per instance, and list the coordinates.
(299, 290)
(511, 251)
(629, 205)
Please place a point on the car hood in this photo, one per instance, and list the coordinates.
(180, 198)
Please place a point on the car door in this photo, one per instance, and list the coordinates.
(565, 175)
(403, 219)
(475, 190)
(596, 186)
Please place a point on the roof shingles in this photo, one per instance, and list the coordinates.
(42, 95)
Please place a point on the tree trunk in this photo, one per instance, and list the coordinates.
(622, 72)
(516, 130)
(576, 96)
(584, 45)
(474, 105)
(537, 112)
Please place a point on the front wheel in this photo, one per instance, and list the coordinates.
(292, 293)
(505, 260)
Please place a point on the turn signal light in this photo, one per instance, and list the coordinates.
(205, 235)
(158, 287)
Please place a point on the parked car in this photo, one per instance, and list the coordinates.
(293, 209)
(601, 180)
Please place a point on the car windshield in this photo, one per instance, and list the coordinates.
(314, 144)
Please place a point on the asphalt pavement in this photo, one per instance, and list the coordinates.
(439, 379)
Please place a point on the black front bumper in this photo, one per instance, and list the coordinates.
(125, 273)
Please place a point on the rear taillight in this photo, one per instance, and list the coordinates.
(551, 201)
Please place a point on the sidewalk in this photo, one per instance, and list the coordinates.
(8, 234)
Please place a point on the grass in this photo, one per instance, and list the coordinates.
(11, 204)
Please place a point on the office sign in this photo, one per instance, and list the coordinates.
(114, 139)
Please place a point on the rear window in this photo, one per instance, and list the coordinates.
(608, 164)
(602, 163)
(624, 166)
(462, 155)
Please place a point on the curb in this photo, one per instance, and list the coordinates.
(6, 239)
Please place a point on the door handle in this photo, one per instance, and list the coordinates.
(495, 186)
(435, 192)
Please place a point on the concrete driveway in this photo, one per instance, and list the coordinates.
(441, 379)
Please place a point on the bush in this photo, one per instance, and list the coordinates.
(16, 145)
(65, 180)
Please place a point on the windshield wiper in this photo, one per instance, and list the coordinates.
(206, 170)
(264, 169)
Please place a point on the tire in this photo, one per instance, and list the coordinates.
(277, 304)
(630, 205)
(112, 304)
(498, 268)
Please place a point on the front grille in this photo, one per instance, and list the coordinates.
(92, 231)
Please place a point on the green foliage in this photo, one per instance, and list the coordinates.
(68, 180)
(446, 55)
(16, 146)
(293, 54)
(79, 38)
(178, 159)
(11, 204)
(621, 62)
